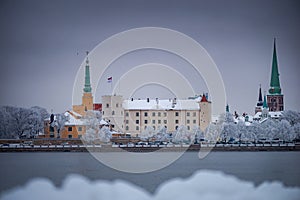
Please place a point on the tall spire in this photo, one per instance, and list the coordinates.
(87, 84)
(260, 101)
(265, 105)
(227, 108)
(274, 83)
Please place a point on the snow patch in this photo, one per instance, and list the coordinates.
(202, 185)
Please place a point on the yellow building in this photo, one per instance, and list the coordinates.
(74, 126)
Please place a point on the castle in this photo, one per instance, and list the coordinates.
(135, 115)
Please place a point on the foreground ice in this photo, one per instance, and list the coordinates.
(203, 185)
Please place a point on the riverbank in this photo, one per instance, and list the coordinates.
(109, 148)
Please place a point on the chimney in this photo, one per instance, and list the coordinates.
(148, 100)
(156, 101)
(131, 99)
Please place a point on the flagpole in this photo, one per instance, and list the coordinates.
(111, 86)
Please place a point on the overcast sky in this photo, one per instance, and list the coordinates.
(43, 43)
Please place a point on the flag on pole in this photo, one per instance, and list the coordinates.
(109, 79)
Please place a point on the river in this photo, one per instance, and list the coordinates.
(18, 168)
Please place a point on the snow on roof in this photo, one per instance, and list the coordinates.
(275, 114)
(272, 114)
(72, 120)
(189, 104)
(103, 122)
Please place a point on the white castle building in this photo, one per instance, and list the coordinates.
(135, 115)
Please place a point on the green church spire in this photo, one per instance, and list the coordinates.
(87, 84)
(265, 105)
(227, 108)
(274, 83)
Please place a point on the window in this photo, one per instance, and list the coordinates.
(127, 121)
(188, 127)
(146, 121)
(126, 114)
(153, 121)
(79, 128)
(194, 114)
(102, 112)
(146, 114)
(137, 128)
(137, 121)
(79, 136)
(70, 136)
(165, 121)
(176, 127)
(188, 114)
(165, 114)
(176, 114)
(158, 114)
(176, 121)
(127, 128)
(137, 114)
(107, 105)
(69, 128)
(188, 121)
(121, 112)
(113, 112)
(154, 127)
(117, 105)
(153, 114)
(194, 121)
(159, 121)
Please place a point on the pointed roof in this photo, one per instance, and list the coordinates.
(260, 101)
(87, 83)
(203, 99)
(227, 108)
(274, 83)
(265, 105)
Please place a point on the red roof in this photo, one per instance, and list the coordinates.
(203, 99)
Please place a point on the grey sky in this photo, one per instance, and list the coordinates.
(40, 42)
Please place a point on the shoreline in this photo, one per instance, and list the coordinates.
(191, 148)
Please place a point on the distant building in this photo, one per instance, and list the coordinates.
(134, 116)
(273, 105)
(75, 126)
(275, 97)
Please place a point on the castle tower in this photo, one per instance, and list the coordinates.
(205, 113)
(87, 98)
(259, 104)
(275, 98)
(112, 111)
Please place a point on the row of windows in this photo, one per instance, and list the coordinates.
(107, 105)
(70, 128)
(112, 112)
(159, 121)
(137, 114)
(137, 128)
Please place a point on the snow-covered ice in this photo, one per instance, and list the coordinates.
(202, 185)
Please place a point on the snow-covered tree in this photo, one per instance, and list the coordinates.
(161, 134)
(197, 133)
(18, 122)
(292, 117)
(296, 130)
(92, 127)
(105, 134)
(183, 135)
(148, 133)
(60, 121)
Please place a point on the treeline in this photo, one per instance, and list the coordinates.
(18, 122)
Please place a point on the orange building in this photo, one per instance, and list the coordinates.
(74, 125)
